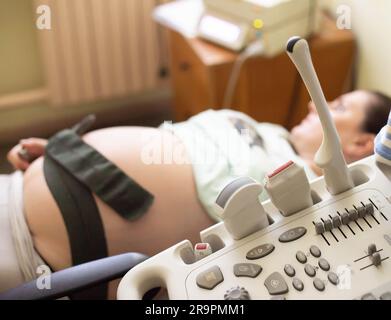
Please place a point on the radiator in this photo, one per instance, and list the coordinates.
(99, 49)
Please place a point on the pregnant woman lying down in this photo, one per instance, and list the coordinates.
(136, 189)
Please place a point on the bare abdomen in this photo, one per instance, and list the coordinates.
(175, 215)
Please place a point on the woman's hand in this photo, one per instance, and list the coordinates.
(35, 148)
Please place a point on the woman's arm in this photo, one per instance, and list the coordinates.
(35, 147)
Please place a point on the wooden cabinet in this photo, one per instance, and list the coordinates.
(269, 89)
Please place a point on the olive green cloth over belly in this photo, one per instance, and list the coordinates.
(101, 176)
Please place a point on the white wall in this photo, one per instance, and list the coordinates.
(371, 23)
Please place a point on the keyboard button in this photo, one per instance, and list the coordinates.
(319, 284)
(276, 284)
(315, 251)
(310, 270)
(249, 270)
(289, 270)
(333, 278)
(298, 284)
(210, 278)
(260, 252)
(386, 296)
(293, 234)
(301, 257)
(324, 264)
(368, 296)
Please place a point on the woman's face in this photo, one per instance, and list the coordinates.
(348, 113)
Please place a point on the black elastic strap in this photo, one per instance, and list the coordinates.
(101, 176)
(82, 220)
(84, 125)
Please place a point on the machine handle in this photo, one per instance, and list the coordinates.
(78, 278)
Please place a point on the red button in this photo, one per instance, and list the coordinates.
(201, 246)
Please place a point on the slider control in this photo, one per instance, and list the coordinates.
(372, 249)
(374, 255)
(289, 189)
(345, 218)
(376, 259)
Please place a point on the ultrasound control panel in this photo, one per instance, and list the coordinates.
(339, 248)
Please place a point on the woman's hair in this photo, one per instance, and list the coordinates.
(377, 112)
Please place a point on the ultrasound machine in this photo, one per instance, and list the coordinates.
(325, 239)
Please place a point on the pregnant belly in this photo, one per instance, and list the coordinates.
(175, 215)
